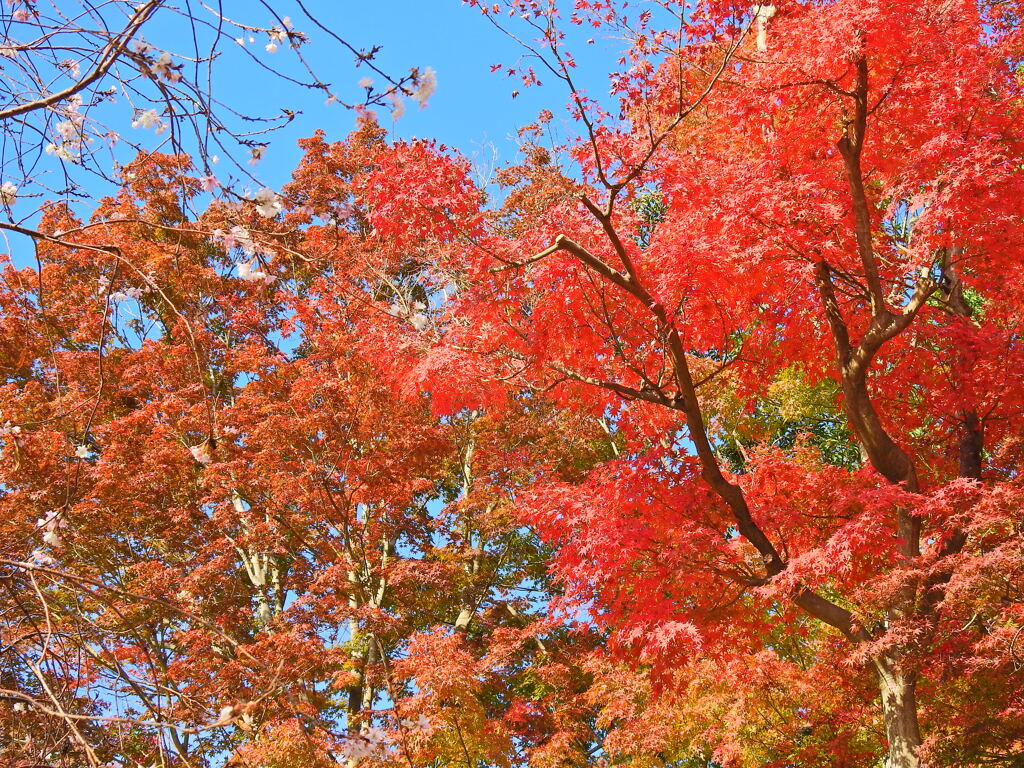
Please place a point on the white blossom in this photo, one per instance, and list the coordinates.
(147, 119)
(366, 82)
(356, 749)
(51, 522)
(8, 193)
(414, 313)
(238, 237)
(268, 203)
(201, 453)
(69, 129)
(164, 68)
(271, 47)
(365, 116)
(71, 132)
(420, 724)
(397, 105)
(131, 293)
(425, 87)
(38, 557)
(61, 152)
(249, 272)
(83, 451)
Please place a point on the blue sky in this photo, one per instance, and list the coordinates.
(472, 109)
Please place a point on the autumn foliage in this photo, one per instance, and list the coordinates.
(693, 441)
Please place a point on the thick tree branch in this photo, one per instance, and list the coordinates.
(107, 58)
(850, 147)
(687, 402)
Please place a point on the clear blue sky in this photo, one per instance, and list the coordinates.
(472, 106)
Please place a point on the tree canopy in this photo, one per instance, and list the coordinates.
(692, 440)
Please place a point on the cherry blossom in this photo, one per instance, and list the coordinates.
(397, 105)
(201, 453)
(225, 716)
(8, 193)
(268, 203)
(38, 557)
(425, 87)
(249, 272)
(149, 119)
(165, 68)
(421, 724)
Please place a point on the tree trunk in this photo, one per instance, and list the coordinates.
(899, 709)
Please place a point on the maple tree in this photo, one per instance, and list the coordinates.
(818, 203)
(223, 538)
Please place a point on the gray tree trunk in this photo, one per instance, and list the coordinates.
(899, 710)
